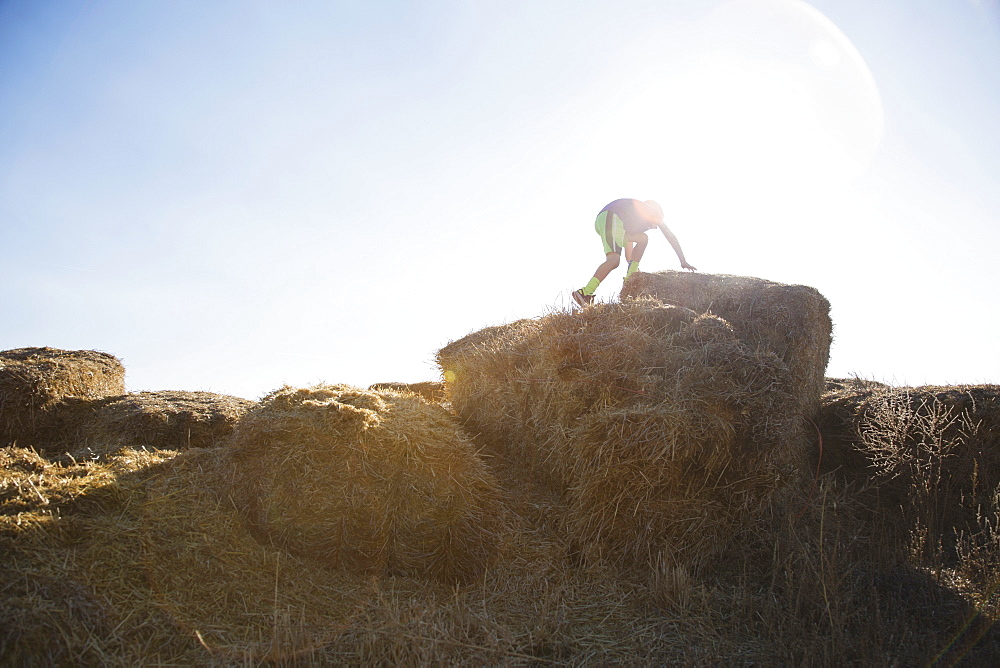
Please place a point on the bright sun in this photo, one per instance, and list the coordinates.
(769, 99)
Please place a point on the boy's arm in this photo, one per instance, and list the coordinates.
(672, 240)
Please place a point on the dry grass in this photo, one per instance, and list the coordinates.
(923, 468)
(930, 453)
(34, 382)
(72, 567)
(165, 572)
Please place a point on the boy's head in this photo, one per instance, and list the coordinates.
(654, 209)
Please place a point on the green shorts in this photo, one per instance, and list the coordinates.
(612, 231)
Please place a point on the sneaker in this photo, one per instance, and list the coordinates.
(582, 299)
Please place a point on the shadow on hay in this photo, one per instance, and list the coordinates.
(964, 635)
(66, 533)
(162, 568)
(49, 619)
(34, 382)
(164, 420)
(929, 456)
(130, 579)
(834, 588)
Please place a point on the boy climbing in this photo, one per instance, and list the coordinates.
(623, 224)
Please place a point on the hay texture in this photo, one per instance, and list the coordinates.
(931, 452)
(664, 433)
(432, 391)
(791, 321)
(34, 382)
(164, 420)
(379, 482)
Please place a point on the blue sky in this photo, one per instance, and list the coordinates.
(230, 196)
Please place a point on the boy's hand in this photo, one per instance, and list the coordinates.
(685, 265)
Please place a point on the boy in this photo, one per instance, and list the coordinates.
(623, 224)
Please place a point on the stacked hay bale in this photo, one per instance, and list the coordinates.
(430, 390)
(379, 482)
(792, 321)
(165, 420)
(666, 435)
(34, 382)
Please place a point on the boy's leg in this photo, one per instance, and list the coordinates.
(635, 246)
(612, 233)
(611, 262)
(585, 295)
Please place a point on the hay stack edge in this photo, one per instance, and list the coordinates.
(373, 481)
(670, 430)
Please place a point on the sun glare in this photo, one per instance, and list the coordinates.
(772, 101)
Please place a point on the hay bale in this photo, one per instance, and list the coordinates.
(662, 431)
(164, 420)
(35, 381)
(432, 391)
(841, 405)
(792, 321)
(930, 454)
(372, 481)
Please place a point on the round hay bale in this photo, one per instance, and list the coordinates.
(35, 381)
(377, 482)
(164, 420)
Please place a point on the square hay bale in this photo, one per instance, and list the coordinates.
(35, 381)
(379, 482)
(665, 434)
(792, 321)
(164, 420)
(930, 454)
